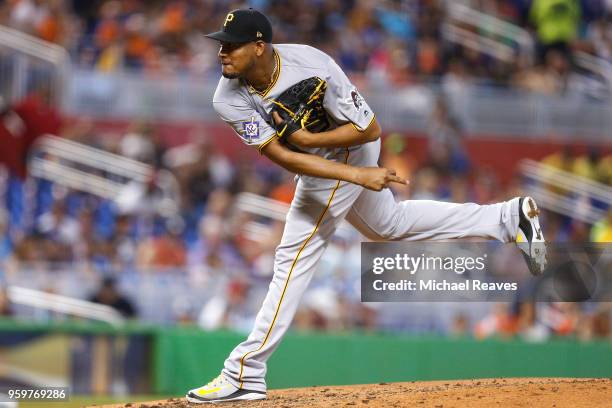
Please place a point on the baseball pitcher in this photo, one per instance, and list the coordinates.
(297, 107)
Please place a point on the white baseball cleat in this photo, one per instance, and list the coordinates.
(529, 237)
(220, 390)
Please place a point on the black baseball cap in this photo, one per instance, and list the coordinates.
(244, 25)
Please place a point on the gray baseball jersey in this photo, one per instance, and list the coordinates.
(320, 205)
(247, 110)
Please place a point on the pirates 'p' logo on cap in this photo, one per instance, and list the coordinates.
(243, 26)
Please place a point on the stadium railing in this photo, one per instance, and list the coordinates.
(497, 34)
(111, 176)
(492, 111)
(29, 63)
(595, 65)
(566, 193)
(64, 305)
(495, 45)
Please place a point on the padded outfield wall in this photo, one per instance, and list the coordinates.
(188, 358)
(94, 358)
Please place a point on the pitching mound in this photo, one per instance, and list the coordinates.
(520, 392)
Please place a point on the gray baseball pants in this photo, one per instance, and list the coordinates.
(318, 207)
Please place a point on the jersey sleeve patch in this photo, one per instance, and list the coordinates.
(356, 99)
(248, 124)
(250, 131)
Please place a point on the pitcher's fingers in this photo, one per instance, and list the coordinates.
(397, 179)
(276, 117)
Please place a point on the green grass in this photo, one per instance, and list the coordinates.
(86, 400)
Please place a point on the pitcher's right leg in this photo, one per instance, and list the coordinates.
(314, 214)
(243, 376)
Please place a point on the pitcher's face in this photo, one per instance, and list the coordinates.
(236, 58)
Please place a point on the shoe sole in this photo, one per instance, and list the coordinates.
(534, 249)
(243, 395)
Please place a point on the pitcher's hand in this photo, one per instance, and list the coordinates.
(377, 178)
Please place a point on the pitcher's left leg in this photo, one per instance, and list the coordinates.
(378, 216)
(417, 220)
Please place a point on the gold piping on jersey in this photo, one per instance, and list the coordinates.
(264, 144)
(269, 88)
(331, 197)
(363, 130)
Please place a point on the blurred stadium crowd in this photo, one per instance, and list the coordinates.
(205, 247)
(43, 225)
(397, 42)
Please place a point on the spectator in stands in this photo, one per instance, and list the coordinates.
(552, 78)
(396, 155)
(425, 185)
(213, 252)
(601, 322)
(319, 310)
(587, 165)
(285, 190)
(142, 143)
(84, 248)
(60, 226)
(123, 242)
(387, 41)
(599, 34)
(202, 173)
(561, 318)
(5, 306)
(485, 185)
(498, 322)
(389, 65)
(460, 326)
(446, 151)
(561, 160)
(138, 46)
(107, 40)
(164, 249)
(6, 245)
(26, 14)
(30, 248)
(182, 312)
(231, 309)
(108, 295)
(556, 23)
(53, 23)
(604, 170)
(556, 227)
(56, 235)
(602, 230)
(428, 57)
(528, 326)
(12, 130)
(26, 121)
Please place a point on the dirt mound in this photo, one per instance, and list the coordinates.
(518, 392)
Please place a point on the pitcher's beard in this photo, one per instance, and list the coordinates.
(242, 74)
(230, 76)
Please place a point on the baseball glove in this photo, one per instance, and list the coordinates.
(301, 106)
